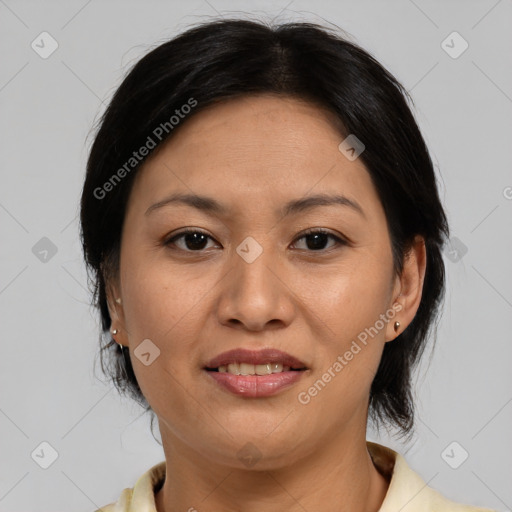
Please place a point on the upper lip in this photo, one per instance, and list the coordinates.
(267, 355)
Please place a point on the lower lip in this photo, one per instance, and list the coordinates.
(256, 386)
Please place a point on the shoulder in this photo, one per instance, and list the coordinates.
(142, 495)
(407, 491)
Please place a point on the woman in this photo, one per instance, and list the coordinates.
(262, 222)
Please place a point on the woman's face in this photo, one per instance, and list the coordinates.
(256, 281)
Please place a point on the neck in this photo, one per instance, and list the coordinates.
(339, 477)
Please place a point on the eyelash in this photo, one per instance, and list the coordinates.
(312, 231)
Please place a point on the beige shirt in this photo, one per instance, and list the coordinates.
(407, 491)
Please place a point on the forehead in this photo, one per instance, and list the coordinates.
(256, 148)
(262, 122)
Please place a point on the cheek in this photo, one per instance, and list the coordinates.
(351, 297)
(350, 305)
(161, 304)
(350, 353)
(161, 297)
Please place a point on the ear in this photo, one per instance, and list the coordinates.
(408, 287)
(116, 312)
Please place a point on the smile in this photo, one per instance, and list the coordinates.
(254, 369)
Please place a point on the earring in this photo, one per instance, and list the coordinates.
(397, 325)
(118, 300)
(114, 332)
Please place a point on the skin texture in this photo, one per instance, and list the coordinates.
(253, 155)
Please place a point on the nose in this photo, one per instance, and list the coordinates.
(256, 295)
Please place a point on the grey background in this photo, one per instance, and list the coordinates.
(48, 388)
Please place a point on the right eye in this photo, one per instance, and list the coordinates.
(193, 240)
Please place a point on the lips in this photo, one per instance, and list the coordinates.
(289, 371)
(256, 357)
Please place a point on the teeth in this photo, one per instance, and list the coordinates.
(246, 369)
(263, 369)
(253, 369)
(234, 369)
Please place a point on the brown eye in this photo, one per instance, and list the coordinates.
(317, 239)
(192, 240)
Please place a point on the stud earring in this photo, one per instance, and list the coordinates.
(397, 325)
(118, 300)
(114, 332)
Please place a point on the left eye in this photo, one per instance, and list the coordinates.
(317, 239)
(196, 241)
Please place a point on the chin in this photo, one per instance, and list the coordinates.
(247, 450)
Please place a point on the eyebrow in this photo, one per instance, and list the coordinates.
(212, 206)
